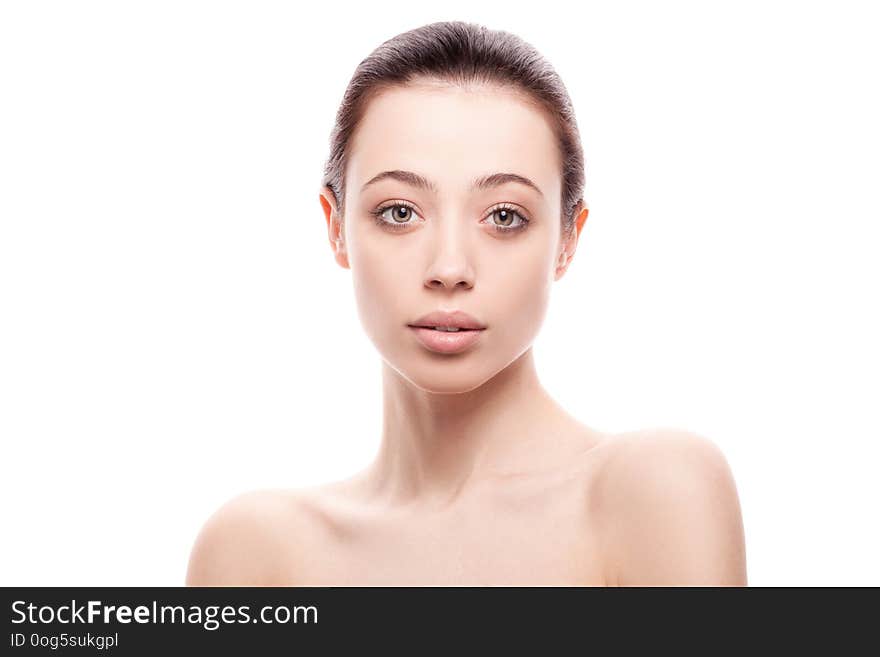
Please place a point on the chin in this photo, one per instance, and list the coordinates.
(448, 387)
(444, 375)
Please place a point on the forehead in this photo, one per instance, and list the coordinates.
(452, 135)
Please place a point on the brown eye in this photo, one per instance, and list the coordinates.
(505, 216)
(506, 219)
(400, 213)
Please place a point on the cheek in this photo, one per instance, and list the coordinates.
(519, 294)
(374, 286)
(384, 277)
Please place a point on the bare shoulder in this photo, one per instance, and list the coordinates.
(247, 541)
(670, 511)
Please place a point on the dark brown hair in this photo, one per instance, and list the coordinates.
(461, 53)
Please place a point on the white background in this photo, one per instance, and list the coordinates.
(175, 331)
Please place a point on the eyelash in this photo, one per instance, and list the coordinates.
(378, 212)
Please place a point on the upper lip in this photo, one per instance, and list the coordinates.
(449, 319)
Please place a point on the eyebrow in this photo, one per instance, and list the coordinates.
(483, 182)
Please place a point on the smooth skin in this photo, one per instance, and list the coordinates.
(481, 478)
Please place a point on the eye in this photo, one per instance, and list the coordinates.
(507, 219)
(399, 214)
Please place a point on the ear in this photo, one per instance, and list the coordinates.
(335, 234)
(570, 244)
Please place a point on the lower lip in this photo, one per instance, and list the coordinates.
(446, 342)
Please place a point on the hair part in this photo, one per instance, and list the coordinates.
(465, 55)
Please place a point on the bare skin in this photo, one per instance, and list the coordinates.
(481, 478)
(650, 508)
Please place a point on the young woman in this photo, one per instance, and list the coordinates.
(453, 193)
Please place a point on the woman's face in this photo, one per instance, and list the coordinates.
(489, 250)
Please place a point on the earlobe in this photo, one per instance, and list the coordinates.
(568, 249)
(562, 264)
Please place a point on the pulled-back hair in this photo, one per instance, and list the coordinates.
(462, 54)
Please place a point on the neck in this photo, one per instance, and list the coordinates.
(436, 447)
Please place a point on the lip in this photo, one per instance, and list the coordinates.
(446, 342)
(449, 319)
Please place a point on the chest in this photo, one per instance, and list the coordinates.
(533, 543)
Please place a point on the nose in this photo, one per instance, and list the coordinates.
(451, 268)
(450, 274)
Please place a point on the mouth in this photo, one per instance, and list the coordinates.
(446, 329)
(446, 340)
